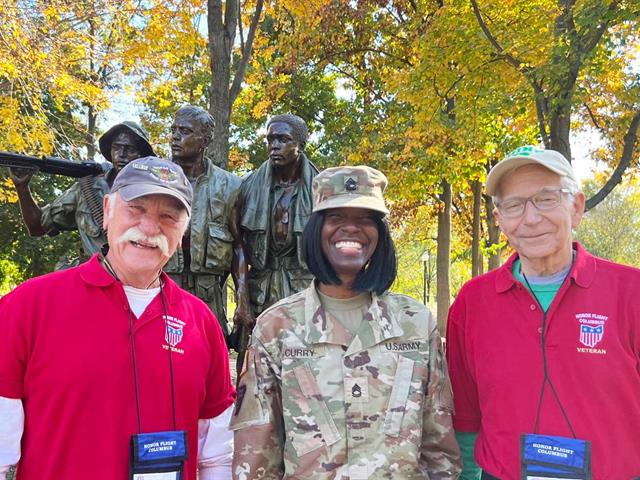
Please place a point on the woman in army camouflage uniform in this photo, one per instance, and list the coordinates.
(346, 380)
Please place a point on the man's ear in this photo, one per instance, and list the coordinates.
(496, 217)
(206, 139)
(577, 209)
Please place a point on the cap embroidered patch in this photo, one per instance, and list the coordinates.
(351, 184)
(164, 174)
(525, 151)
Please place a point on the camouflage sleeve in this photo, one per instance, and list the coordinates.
(257, 419)
(60, 215)
(440, 455)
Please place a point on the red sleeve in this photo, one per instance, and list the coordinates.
(220, 391)
(465, 394)
(13, 345)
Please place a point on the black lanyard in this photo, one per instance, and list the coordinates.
(133, 350)
(547, 378)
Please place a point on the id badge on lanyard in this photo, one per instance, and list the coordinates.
(158, 455)
(549, 457)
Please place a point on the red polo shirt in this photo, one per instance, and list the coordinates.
(495, 360)
(65, 351)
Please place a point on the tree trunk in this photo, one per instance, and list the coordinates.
(91, 133)
(493, 233)
(221, 38)
(443, 267)
(224, 90)
(476, 259)
(559, 130)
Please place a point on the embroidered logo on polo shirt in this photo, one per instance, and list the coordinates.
(591, 331)
(174, 332)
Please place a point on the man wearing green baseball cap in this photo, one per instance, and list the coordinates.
(544, 351)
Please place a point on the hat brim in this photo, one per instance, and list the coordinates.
(349, 200)
(131, 192)
(508, 164)
(105, 141)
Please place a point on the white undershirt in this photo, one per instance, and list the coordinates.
(140, 298)
(215, 439)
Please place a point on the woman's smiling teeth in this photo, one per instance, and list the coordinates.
(349, 244)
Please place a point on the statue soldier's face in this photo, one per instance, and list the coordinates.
(283, 149)
(187, 141)
(124, 148)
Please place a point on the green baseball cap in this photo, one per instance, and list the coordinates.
(350, 187)
(104, 142)
(550, 159)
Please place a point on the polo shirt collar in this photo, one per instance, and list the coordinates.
(93, 273)
(582, 272)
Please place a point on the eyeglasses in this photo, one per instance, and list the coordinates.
(544, 200)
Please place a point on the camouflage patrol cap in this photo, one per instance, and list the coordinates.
(153, 175)
(142, 138)
(351, 187)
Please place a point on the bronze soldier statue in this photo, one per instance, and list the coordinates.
(72, 210)
(211, 245)
(274, 205)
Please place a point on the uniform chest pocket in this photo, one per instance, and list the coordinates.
(219, 247)
(86, 222)
(308, 423)
(404, 411)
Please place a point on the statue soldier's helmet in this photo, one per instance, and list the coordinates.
(142, 139)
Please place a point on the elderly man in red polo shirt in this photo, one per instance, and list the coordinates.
(544, 352)
(108, 370)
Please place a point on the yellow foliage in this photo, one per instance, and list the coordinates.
(7, 192)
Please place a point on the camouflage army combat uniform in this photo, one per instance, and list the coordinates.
(70, 211)
(210, 241)
(323, 404)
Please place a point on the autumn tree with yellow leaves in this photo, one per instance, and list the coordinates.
(432, 92)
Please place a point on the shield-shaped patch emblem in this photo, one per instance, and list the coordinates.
(173, 336)
(590, 336)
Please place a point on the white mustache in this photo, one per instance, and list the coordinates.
(134, 234)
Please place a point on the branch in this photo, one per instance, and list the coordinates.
(540, 112)
(246, 54)
(528, 72)
(492, 39)
(594, 120)
(362, 84)
(627, 154)
(214, 18)
(591, 37)
(240, 27)
(231, 19)
(353, 51)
